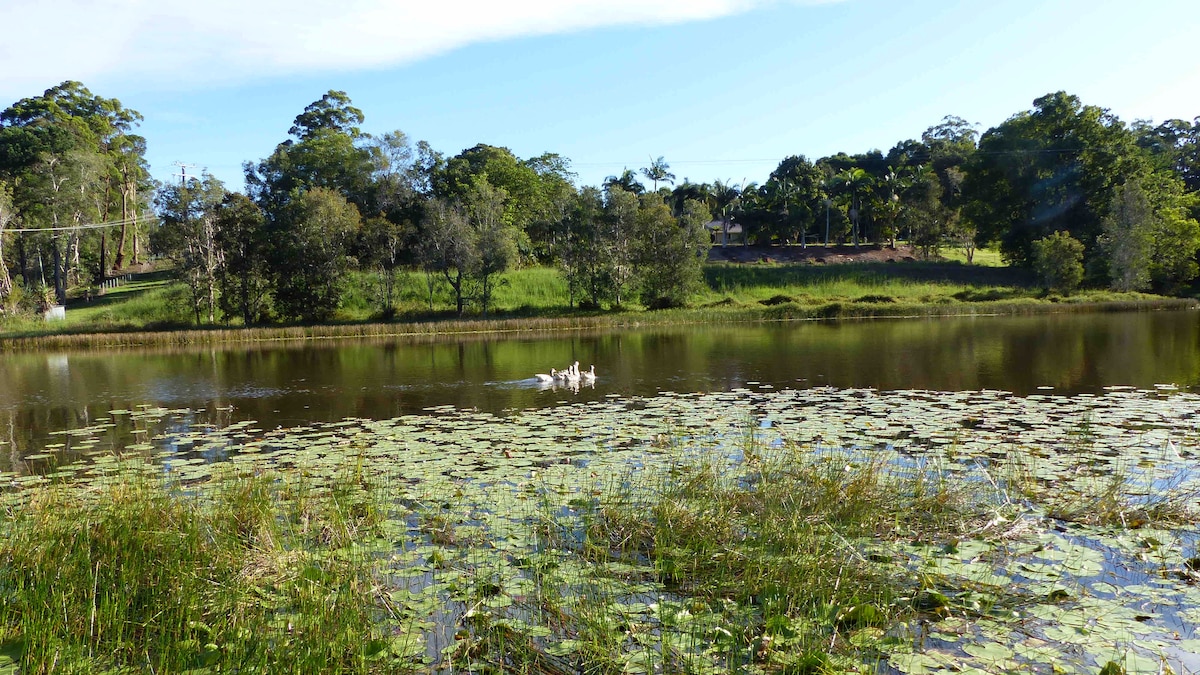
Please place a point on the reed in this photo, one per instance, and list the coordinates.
(136, 574)
(785, 539)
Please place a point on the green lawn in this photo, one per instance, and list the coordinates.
(984, 257)
(732, 291)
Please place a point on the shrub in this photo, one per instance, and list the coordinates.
(1058, 261)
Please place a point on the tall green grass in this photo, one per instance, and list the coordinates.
(754, 558)
(253, 574)
(156, 311)
(795, 540)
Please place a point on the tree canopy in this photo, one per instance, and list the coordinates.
(1059, 178)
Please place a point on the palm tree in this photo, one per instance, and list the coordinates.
(889, 187)
(659, 170)
(627, 181)
(857, 181)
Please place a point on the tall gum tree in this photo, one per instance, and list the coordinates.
(58, 152)
(327, 150)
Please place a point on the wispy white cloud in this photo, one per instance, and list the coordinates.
(178, 43)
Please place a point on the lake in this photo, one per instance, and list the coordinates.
(1069, 433)
(291, 383)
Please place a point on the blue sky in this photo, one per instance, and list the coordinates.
(722, 89)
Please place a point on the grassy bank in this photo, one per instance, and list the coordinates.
(468, 543)
(152, 310)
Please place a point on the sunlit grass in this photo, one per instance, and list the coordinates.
(983, 257)
(537, 298)
(252, 573)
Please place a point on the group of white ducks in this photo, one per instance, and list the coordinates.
(571, 375)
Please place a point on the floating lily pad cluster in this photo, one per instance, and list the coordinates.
(1086, 553)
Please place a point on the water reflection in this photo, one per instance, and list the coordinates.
(294, 383)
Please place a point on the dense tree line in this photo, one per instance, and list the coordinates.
(1064, 188)
(68, 158)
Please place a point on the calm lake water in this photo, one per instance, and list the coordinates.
(293, 383)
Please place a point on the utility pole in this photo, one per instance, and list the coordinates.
(183, 196)
(183, 171)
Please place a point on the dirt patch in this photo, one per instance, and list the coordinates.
(815, 255)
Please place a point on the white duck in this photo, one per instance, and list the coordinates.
(573, 372)
(542, 377)
(589, 375)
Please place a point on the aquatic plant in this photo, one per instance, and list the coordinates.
(814, 530)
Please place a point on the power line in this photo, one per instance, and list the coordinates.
(88, 226)
(1034, 151)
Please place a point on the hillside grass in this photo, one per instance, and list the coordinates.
(154, 309)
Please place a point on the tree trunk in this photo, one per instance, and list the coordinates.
(102, 273)
(23, 260)
(72, 266)
(456, 283)
(137, 247)
(247, 319)
(429, 282)
(119, 262)
(60, 277)
(210, 267)
(5, 280)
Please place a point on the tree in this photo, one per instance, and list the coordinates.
(1175, 145)
(132, 178)
(670, 251)
(396, 203)
(188, 237)
(584, 261)
(1049, 169)
(627, 181)
(65, 186)
(328, 151)
(447, 248)
(923, 214)
(1175, 233)
(1058, 261)
(396, 182)
(332, 113)
(65, 154)
(381, 244)
(558, 196)
(856, 182)
(1128, 229)
(493, 237)
(792, 197)
(658, 172)
(469, 242)
(888, 202)
(244, 277)
(618, 241)
(525, 199)
(309, 255)
(952, 131)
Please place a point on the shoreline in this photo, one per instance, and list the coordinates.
(722, 314)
